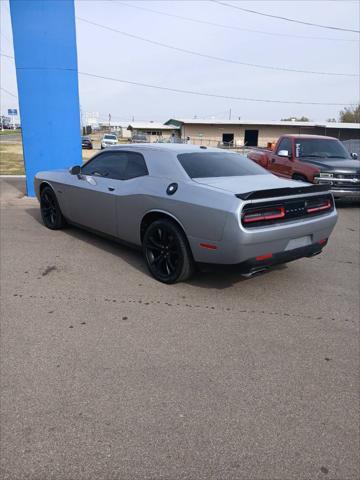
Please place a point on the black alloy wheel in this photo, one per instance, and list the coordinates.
(167, 252)
(50, 210)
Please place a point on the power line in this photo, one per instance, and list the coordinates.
(232, 27)
(212, 57)
(7, 56)
(330, 27)
(203, 94)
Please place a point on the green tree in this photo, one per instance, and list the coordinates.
(296, 119)
(350, 114)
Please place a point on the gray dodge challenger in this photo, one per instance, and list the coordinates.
(186, 205)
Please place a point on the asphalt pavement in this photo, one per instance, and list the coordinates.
(107, 374)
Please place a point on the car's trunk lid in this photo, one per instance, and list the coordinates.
(243, 184)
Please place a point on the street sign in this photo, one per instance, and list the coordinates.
(12, 111)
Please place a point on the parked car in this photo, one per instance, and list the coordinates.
(108, 140)
(185, 205)
(139, 138)
(313, 159)
(86, 143)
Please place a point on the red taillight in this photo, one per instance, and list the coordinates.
(323, 241)
(262, 214)
(325, 205)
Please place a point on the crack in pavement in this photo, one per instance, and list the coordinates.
(148, 302)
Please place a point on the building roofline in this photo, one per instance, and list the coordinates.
(278, 123)
(151, 126)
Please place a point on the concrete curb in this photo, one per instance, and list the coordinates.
(12, 176)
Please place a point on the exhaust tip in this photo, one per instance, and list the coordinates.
(255, 271)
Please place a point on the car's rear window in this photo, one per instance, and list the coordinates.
(218, 164)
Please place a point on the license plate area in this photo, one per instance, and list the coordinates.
(299, 242)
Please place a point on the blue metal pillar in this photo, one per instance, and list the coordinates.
(47, 77)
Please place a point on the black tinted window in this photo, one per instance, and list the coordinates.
(108, 164)
(136, 166)
(116, 165)
(213, 164)
(285, 144)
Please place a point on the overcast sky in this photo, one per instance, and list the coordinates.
(107, 53)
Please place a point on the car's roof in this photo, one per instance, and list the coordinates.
(161, 157)
(171, 147)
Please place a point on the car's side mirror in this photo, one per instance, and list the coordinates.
(283, 153)
(354, 155)
(76, 170)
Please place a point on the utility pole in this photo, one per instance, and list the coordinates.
(230, 114)
(109, 122)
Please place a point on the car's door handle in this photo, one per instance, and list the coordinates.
(111, 189)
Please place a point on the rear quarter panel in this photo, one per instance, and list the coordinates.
(201, 211)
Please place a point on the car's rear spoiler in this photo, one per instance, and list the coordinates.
(282, 192)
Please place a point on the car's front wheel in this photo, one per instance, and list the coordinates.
(50, 210)
(167, 252)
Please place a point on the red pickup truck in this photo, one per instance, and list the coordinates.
(314, 159)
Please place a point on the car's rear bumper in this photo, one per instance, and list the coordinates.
(253, 264)
(240, 245)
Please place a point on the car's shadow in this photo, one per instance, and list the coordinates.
(221, 277)
(216, 277)
(131, 255)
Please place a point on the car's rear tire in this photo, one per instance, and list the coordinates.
(50, 210)
(167, 253)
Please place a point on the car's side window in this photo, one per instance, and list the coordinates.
(136, 166)
(116, 165)
(107, 164)
(285, 144)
